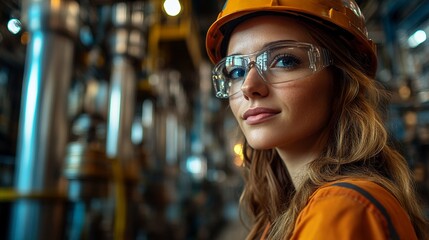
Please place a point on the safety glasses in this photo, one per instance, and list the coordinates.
(278, 62)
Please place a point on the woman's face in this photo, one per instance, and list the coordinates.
(285, 116)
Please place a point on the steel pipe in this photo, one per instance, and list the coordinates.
(53, 25)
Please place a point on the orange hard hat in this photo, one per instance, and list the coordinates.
(342, 14)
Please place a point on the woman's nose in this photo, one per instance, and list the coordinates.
(254, 84)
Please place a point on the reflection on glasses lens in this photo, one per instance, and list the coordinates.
(279, 62)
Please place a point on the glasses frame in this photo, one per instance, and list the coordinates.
(319, 58)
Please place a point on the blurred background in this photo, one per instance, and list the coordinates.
(109, 128)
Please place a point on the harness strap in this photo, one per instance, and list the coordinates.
(392, 230)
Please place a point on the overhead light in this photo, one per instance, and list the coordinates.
(417, 38)
(14, 25)
(172, 7)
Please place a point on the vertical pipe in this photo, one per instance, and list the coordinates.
(43, 122)
(127, 43)
(127, 47)
(121, 108)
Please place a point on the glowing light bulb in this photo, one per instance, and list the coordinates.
(14, 25)
(238, 149)
(172, 7)
(417, 38)
(239, 157)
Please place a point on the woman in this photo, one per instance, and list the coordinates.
(299, 76)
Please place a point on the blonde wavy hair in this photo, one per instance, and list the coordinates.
(358, 146)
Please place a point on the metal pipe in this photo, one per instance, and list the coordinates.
(127, 44)
(121, 108)
(43, 121)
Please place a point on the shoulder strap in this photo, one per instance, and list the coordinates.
(392, 230)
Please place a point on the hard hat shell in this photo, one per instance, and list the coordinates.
(342, 14)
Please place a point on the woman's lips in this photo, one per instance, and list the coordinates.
(258, 115)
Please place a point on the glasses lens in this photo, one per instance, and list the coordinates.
(281, 62)
(288, 63)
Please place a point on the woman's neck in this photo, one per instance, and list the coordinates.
(297, 160)
(296, 166)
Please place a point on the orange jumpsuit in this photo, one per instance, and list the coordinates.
(335, 212)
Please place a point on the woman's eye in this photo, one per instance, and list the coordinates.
(286, 61)
(236, 73)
